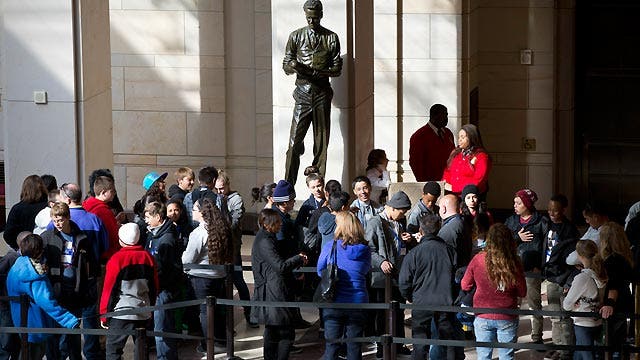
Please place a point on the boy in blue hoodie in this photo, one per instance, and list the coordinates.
(28, 277)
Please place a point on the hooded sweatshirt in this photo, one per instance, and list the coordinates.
(104, 213)
(29, 278)
(327, 228)
(354, 262)
(585, 295)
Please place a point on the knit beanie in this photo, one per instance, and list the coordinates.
(470, 189)
(528, 197)
(129, 234)
(283, 192)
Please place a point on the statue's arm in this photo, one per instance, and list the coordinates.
(290, 60)
(336, 61)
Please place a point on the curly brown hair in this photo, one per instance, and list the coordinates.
(502, 261)
(219, 241)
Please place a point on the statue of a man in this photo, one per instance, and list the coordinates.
(313, 54)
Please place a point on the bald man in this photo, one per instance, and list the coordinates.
(454, 231)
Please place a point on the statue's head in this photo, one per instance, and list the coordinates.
(313, 13)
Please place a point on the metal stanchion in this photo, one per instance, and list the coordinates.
(141, 343)
(211, 305)
(24, 337)
(229, 268)
(387, 345)
(636, 322)
(394, 308)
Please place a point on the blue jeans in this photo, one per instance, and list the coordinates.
(91, 348)
(165, 321)
(504, 331)
(585, 336)
(341, 322)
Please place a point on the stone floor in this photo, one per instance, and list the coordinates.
(248, 341)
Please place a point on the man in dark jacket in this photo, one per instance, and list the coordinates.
(162, 243)
(73, 270)
(426, 278)
(453, 230)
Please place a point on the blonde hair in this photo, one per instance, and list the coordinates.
(501, 260)
(613, 240)
(184, 172)
(224, 177)
(349, 229)
(60, 209)
(588, 249)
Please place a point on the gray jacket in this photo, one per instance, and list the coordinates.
(383, 243)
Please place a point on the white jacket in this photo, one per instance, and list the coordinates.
(585, 295)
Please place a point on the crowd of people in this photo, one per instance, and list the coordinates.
(81, 260)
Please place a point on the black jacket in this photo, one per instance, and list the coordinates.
(531, 252)
(455, 232)
(82, 291)
(427, 273)
(22, 217)
(270, 271)
(163, 245)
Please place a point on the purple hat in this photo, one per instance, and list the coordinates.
(283, 192)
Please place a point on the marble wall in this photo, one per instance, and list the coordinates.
(516, 100)
(191, 87)
(42, 51)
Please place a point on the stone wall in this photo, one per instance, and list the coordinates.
(191, 87)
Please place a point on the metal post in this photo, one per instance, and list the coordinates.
(636, 321)
(229, 268)
(605, 327)
(211, 305)
(141, 344)
(24, 337)
(387, 299)
(387, 341)
(394, 308)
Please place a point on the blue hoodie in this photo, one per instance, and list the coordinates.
(327, 228)
(354, 263)
(24, 279)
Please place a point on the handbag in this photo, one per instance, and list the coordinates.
(326, 290)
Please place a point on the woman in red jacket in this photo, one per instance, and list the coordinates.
(468, 163)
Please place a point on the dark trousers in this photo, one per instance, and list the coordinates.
(313, 106)
(240, 284)
(428, 324)
(204, 287)
(65, 345)
(377, 295)
(9, 343)
(347, 323)
(116, 343)
(278, 341)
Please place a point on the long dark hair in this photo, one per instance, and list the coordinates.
(219, 244)
(33, 190)
(475, 142)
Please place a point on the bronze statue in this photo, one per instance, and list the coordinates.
(313, 54)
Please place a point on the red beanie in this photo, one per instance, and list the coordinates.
(528, 197)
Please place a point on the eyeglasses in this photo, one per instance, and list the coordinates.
(65, 191)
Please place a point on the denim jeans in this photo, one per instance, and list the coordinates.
(586, 336)
(91, 348)
(339, 322)
(9, 343)
(504, 331)
(165, 321)
(204, 287)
